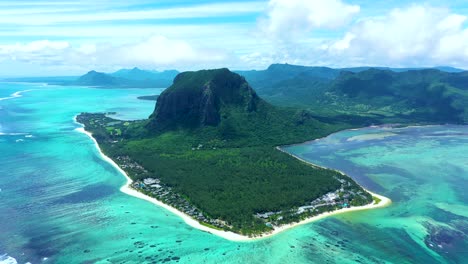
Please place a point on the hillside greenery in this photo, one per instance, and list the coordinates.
(230, 170)
(369, 94)
(212, 138)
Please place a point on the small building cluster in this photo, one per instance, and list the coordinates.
(330, 201)
(131, 166)
(150, 185)
(154, 188)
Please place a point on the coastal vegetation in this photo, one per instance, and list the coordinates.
(210, 145)
(377, 200)
(211, 141)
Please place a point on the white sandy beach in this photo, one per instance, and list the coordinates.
(130, 191)
(383, 203)
(228, 235)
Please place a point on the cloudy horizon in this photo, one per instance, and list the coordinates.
(46, 38)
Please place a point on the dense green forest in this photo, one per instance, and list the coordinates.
(212, 139)
(377, 95)
(423, 95)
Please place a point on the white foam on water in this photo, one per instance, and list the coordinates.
(6, 98)
(5, 259)
(16, 94)
(13, 134)
(373, 136)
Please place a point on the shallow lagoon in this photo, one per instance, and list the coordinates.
(61, 203)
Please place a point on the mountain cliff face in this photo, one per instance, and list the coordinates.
(199, 99)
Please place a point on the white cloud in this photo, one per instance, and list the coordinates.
(34, 46)
(86, 15)
(203, 32)
(285, 18)
(154, 52)
(414, 36)
(35, 50)
(161, 51)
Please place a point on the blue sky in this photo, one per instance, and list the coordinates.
(71, 37)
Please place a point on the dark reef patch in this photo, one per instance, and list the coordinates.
(88, 194)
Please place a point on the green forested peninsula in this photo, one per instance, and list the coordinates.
(209, 150)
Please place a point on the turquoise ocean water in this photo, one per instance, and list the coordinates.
(60, 202)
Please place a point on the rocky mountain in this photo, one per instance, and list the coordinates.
(200, 98)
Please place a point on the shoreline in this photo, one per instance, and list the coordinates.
(126, 188)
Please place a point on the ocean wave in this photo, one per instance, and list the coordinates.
(373, 136)
(16, 94)
(5, 259)
(13, 134)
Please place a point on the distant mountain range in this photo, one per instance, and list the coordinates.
(356, 95)
(277, 73)
(143, 75)
(124, 78)
(128, 78)
(384, 94)
(263, 80)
